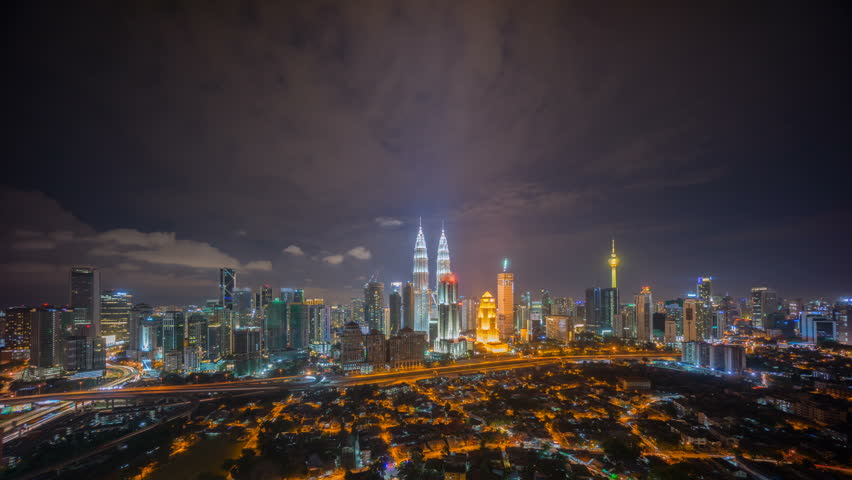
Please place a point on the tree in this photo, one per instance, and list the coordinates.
(621, 450)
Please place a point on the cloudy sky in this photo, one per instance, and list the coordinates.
(299, 142)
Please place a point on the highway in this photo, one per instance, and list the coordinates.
(113, 389)
(302, 381)
(39, 416)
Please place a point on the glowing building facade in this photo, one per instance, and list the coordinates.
(84, 285)
(613, 264)
(505, 301)
(115, 315)
(644, 312)
(227, 285)
(374, 305)
(443, 261)
(487, 330)
(449, 311)
(421, 284)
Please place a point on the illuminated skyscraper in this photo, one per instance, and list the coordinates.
(85, 288)
(705, 290)
(374, 305)
(690, 320)
(644, 312)
(227, 285)
(115, 315)
(764, 301)
(505, 301)
(613, 264)
(174, 326)
(449, 314)
(421, 283)
(593, 310)
(609, 310)
(46, 341)
(487, 330)
(443, 260)
(319, 322)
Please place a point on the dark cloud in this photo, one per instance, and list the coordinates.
(151, 138)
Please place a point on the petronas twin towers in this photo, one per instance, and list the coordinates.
(423, 296)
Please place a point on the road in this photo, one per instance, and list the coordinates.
(301, 381)
(40, 416)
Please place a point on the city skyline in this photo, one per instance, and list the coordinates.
(408, 240)
(532, 131)
(432, 265)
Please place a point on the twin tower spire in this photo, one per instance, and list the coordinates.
(421, 275)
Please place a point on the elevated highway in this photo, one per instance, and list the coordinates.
(301, 382)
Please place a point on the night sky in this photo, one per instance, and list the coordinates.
(300, 141)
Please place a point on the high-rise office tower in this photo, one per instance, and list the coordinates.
(764, 301)
(319, 322)
(487, 329)
(449, 315)
(468, 318)
(593, 310)
(227, 285)
(609, 310)
(374, 305)
(443, 265)
(628, 321)
(705, 319)
(674, 312)
(421, 283)
(563, 306)
(218, 332)
(115, 315)
(85, 288)
(395, 308)
(18, 333)
(841, 313)
(546, 304)
(138, 315)
(356, 308)
(644, 312)
(299, 327)
(613, 264)
(522, 321)
(690, 320)
(275, 334)
(506, 301)
(264, 297)
(196, 330)
(288, 295)
(408, 301)
(45, 351)
(535, 318)
(704, 288)
(173, 331)
(299, 295)
(244, 306)
(247, 359)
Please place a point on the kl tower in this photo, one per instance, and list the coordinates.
(613, 264)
